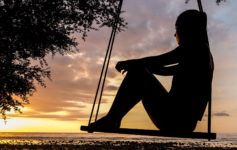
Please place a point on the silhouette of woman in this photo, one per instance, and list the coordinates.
(191, 66)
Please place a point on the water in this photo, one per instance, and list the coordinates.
(102, 140)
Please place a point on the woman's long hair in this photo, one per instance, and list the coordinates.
(191, 26)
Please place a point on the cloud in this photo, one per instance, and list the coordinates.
(149, 30)
(112, 87)
(221, 114)
(74, 110)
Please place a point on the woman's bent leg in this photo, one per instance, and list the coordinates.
(155, 100)
(138, 84)
(128, 95)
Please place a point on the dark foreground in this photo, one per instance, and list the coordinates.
(42, 141)
(118, 145)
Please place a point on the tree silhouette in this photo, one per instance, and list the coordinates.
(217, 1)
(32, 29)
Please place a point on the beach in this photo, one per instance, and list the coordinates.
(84, 141)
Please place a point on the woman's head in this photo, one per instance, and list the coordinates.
(191, 27)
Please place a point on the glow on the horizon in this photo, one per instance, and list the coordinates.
(57, 113)
(38, 125)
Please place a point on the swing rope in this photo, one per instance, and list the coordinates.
(100, 86)
(209, 102)
(200, 5)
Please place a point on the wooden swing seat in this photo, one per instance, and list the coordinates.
(196, 135)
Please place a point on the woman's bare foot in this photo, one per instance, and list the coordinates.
(105, 123)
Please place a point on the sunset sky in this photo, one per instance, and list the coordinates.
(65, 104)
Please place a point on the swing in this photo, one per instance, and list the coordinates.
(199, 135)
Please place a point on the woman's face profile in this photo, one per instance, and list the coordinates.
(177, 36)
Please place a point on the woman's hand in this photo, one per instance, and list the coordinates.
(122, 66)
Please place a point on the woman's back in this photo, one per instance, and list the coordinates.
(191, 85)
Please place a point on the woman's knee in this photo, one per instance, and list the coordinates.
(137, 68)
(139, 72)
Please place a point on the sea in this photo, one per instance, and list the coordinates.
(20, 140)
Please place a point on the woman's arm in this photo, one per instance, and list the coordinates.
(163, 64)
(165, 70)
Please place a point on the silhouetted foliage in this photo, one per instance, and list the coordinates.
(32, 29)
(217, 1)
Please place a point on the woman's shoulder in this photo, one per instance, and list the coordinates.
(195, 49)
(193, 45)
